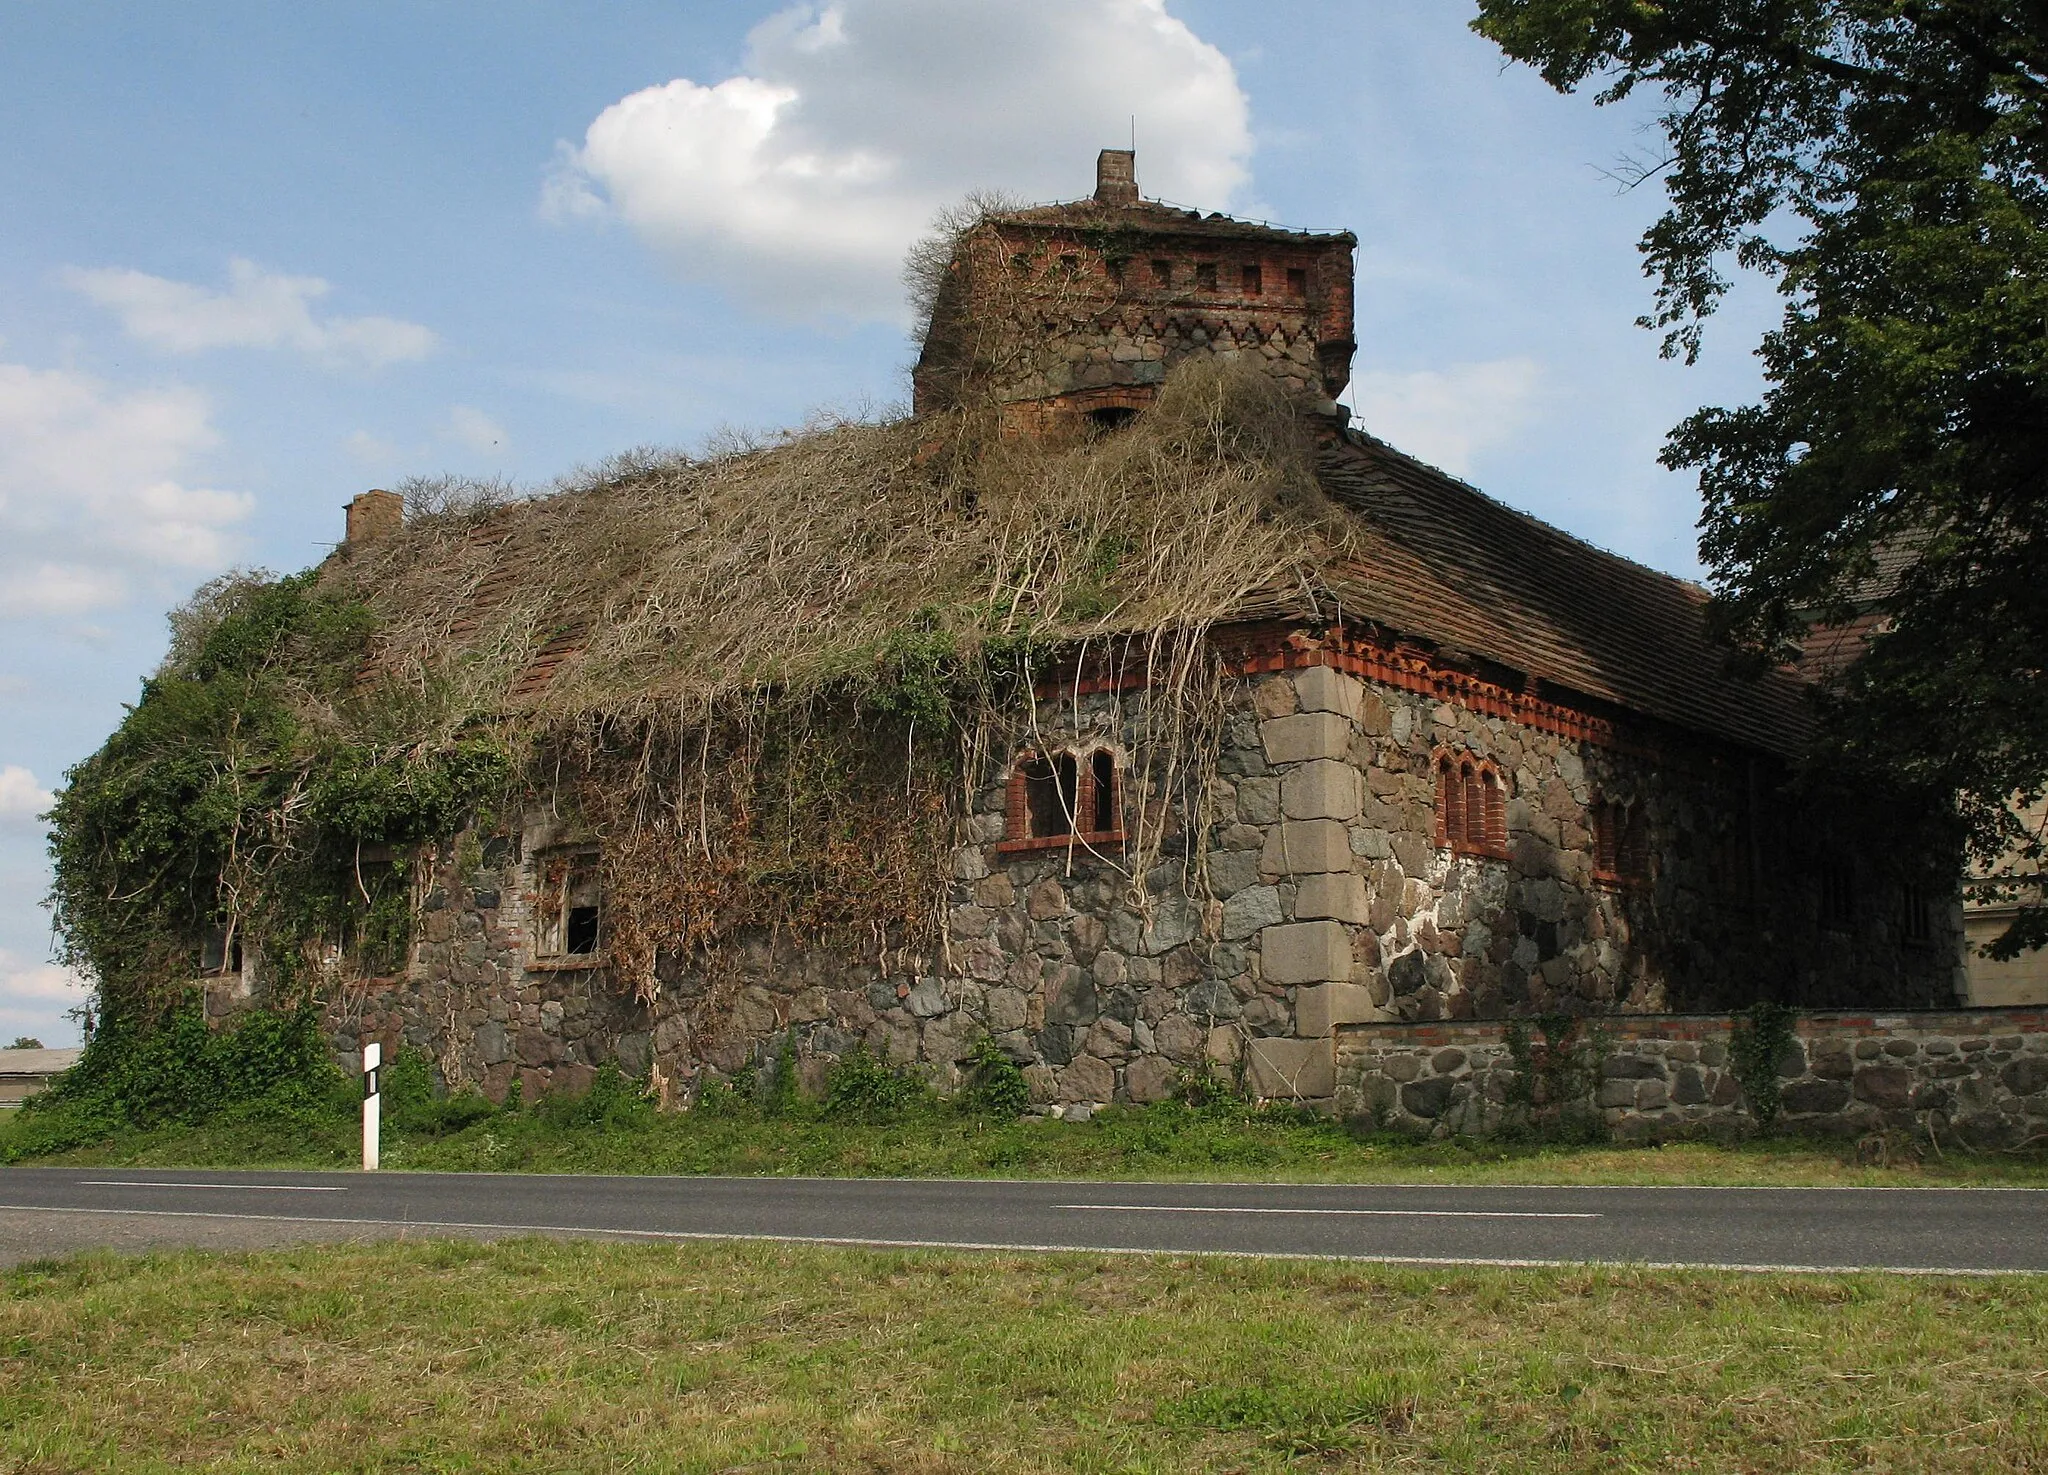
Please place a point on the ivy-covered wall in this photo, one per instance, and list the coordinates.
(1282, 877)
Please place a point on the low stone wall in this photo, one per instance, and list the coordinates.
(1977, 1078)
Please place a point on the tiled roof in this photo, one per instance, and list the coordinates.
(1448, 564)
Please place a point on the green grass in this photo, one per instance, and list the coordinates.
(538, 1356)
(616, 1132)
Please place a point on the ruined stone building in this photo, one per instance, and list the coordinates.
(1466, 766)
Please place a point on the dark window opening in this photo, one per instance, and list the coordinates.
(218, 953)
(570, 916)
(1162, 272)
(1112, 417)
(1254, 281)
(1916, 922)
(1837, 894)
(1205, 275)
(1102, 768)
(1071, 265)
(1051, 795)
(1297, 282)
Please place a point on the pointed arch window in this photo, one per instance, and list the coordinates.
(1471, 805)
(1621, 843)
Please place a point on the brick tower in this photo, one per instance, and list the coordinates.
(1069, 314)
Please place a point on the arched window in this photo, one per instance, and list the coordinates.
(1471, 805)
(1064, 798)
(1621, 843)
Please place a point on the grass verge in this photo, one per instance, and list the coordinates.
(614, 1131)
(534, 1355)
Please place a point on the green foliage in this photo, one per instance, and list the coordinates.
(26, 1042)
(1550, 1098)
(415, 1104)
(227, 801)
(995, 1084)
(1759, 1040)
(1887, 165)
(861, 1088)
(176, 1070)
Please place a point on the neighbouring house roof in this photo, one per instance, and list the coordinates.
(37, 1062)
(1453, 566)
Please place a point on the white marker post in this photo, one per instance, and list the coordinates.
(373, 1056)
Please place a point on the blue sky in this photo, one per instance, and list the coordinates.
(260, 257)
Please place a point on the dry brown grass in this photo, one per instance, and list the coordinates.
(678, 584)
(534, 1356)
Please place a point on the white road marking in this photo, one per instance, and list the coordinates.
(222, 1187)
(878, 1243)
(1369, 1213)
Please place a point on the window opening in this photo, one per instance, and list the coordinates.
(1051, 794)
(1254, 281)
(1471, 806)
(1071, 265)
(219, 952)
(1162, 271)
(1837, 893)
(1916, 924)
(1621, 842)
(1205, 275)
(1112, 417)
(570, 916)
(1297, 281)
(1102, 768)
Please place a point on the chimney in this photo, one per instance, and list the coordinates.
(1116, 177)
(374, 514)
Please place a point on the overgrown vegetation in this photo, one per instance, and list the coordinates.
(1756, 1047)
(763, 679)
(269, 1070)
(878, 1126)
(1551, 1095)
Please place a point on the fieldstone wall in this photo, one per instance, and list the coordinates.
(1292, 886)
(1976, 1078)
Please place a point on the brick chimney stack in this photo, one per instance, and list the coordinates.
(374, 514)
(1116, 177)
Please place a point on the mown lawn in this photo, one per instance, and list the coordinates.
(624, 1135)
(534, 1355)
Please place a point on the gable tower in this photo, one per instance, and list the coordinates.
(1071, 314)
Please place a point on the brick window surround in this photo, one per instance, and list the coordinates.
(1621, 843)
(1471, 805)
(1063, 797)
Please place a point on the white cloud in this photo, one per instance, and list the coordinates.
(94, 492)
(476, 430)
(801, 181)
(259, 309)
(22, 799)
(35, 998)
(1447, 417)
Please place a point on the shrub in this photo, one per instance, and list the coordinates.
(995, 1085)
(861, 1088)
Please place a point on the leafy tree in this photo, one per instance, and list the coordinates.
(1882, 161)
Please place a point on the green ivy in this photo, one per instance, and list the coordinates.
(232, 796)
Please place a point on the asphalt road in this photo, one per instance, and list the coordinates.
(58, 1210)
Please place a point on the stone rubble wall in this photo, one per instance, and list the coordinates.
(1976, 1078)
(1299, 891)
